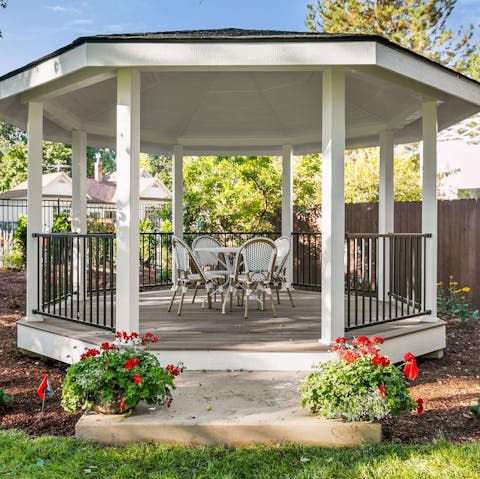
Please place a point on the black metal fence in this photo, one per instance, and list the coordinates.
(384, 278)
(76, 277)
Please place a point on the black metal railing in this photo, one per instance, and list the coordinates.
(384, 278)
(76, 277)
(307, 260)
(384, 274)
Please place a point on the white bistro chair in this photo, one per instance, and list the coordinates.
(189, 273)
(253, 273)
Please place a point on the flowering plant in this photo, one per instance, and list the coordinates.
(361, 385)
(120, 373)
(452, 302)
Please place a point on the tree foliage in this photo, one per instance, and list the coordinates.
(228, 193)
(3, 4)
(421, 26)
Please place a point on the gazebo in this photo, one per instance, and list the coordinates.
(235, 92)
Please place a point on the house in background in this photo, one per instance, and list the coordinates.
(459, 159)
(101, 196)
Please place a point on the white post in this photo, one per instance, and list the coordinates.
(386, 212)
(128, 151)
(429, 204)
(287, 205)
(333, 204)
(177, 191)
(34, 206)
(79, 206)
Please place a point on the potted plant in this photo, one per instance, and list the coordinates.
(114, 378)
(360, 384)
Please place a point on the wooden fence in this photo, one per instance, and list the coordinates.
(458, 234)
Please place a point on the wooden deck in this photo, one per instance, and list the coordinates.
(295, 329)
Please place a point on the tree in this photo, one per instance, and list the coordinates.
(3, 4)
(231, 193)
(419, 25)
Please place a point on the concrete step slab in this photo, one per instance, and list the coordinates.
(232, 408)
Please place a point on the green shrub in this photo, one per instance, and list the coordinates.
(14, 259)
(61, 223)
(4, 398)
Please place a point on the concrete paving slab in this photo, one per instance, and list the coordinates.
(233, 408)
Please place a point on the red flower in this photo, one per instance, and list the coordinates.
(155, 339)
(379, 360)
(169, 402)
(131, 363)
(348, 355)
(148, 335)
(105, 346)
(172, 370)
(121, 403)
(420, 407)
(375, 340)
(341, 340)
(411, 369)
(90, 352)
(381, 390)
(137, 379)
(359, 341)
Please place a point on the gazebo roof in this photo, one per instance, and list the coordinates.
(236, 91)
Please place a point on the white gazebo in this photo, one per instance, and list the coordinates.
(235, 92)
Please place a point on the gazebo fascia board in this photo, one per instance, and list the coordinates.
(307, 50)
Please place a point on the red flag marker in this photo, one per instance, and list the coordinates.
(45, 388)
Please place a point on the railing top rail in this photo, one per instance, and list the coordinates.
(388, 235)
(74, 235)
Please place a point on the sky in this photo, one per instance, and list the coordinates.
(34, 28)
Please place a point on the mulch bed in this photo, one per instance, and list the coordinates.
(447, 385)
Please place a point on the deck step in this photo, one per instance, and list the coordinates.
(236, 408)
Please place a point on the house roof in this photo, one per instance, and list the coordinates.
(54, 185)
(59, 185)
(236, 91)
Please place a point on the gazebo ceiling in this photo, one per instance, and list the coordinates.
(234, 93)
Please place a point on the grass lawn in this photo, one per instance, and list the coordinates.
(56, 457)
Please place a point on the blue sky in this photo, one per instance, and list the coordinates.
(33, 28)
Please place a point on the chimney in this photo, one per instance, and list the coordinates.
(98, 171)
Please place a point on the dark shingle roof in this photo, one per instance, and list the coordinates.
(225, 35)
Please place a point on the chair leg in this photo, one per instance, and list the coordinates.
(180, 306)
(173, 298)
(248, 291)
(277, 289)
(290, 296)
(195, 292)
(272, 302)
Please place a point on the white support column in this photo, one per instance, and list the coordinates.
(386, 205)
(34, 206)
(177, 191)
(287, 205)
(128, 151)
(79, 207)
(333, 204)
(79, 181)
(429, 203)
